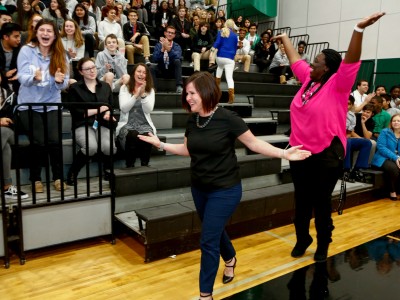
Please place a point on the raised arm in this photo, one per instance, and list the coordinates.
(291, 52)
(353, 53)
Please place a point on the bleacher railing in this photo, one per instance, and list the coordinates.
(262, 26)
(313, 49)
(12, 209)
(281, 30)
(295, 39)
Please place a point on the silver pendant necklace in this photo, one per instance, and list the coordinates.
(206, 122)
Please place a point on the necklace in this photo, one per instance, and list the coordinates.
(206, 122)
(306, 96)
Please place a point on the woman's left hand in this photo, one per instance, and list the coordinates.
(5, 122)
(59, 76)
(295, 153)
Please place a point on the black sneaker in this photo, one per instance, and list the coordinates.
(12, 193)
(358, 176)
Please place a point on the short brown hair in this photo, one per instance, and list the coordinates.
(206, 87)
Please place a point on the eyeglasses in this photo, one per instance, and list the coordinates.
(89, 69)
(169, 32)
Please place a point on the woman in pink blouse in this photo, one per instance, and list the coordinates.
(318, 121)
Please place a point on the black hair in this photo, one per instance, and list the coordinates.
(351, 99)
(302, 43)
(9, 28)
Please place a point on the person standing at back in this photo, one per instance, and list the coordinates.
(226, 44)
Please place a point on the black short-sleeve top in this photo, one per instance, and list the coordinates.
(212, 149)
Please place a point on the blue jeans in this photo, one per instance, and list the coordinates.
(215, 209)
(364, 147)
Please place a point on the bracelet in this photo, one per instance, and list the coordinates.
(358, 29)
(161, 148)
(144, 95)
(283, 154)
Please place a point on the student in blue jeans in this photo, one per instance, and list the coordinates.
(355, 143)
(210, 137)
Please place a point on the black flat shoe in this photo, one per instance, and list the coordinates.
(226, 279)
(393, 198)
(301, 247)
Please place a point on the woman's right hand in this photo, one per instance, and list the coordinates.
(5, 122)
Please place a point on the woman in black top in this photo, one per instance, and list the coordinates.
(216, 185)
(90, 89)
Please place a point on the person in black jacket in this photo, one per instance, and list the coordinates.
(7, 139)
(264, 52)
(96, 120)
(10, 43)
(202, 43)
(136, 38)
(182, 26)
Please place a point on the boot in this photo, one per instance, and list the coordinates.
(107, 167)
(231, 93)
(282, 79)
(217, 80)
(78, 163)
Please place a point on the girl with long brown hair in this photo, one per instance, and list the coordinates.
(43, 74)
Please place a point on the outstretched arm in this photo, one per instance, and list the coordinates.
(353, 53)
(264, 148)
(291, 52)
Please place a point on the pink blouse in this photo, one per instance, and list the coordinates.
(323, 117)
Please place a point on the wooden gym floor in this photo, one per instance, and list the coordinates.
(95, 269)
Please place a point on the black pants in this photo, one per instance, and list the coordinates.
(136, 148)
(314, 180)
(391, 172)
(282, 70)
(42, 149)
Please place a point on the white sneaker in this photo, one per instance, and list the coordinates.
(12, 193)
(191, 64)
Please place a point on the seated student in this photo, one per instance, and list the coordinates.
(9, 49)
(163, 18)
(72, 39)
(387, 157)
(87, 24)
(360, 94)
(365, 126)
(253, 38)
(380, 90)
(141, 11)
(194, 28)
(280, 65)
(167, 54)
(5, 16)
(395, 93)
(111, 64)
(136, 38)
(121, 18)
(301, 49)
(110, 26)
(182, 26)
(243, 49)
(7, 139)
(136, 101)
(381, 117)
(151, 9)
(386, 105)
(90, 89)
(264, 51)
(202, 43)
(56, 12)
(355, 144)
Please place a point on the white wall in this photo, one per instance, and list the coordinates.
(333, 21)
